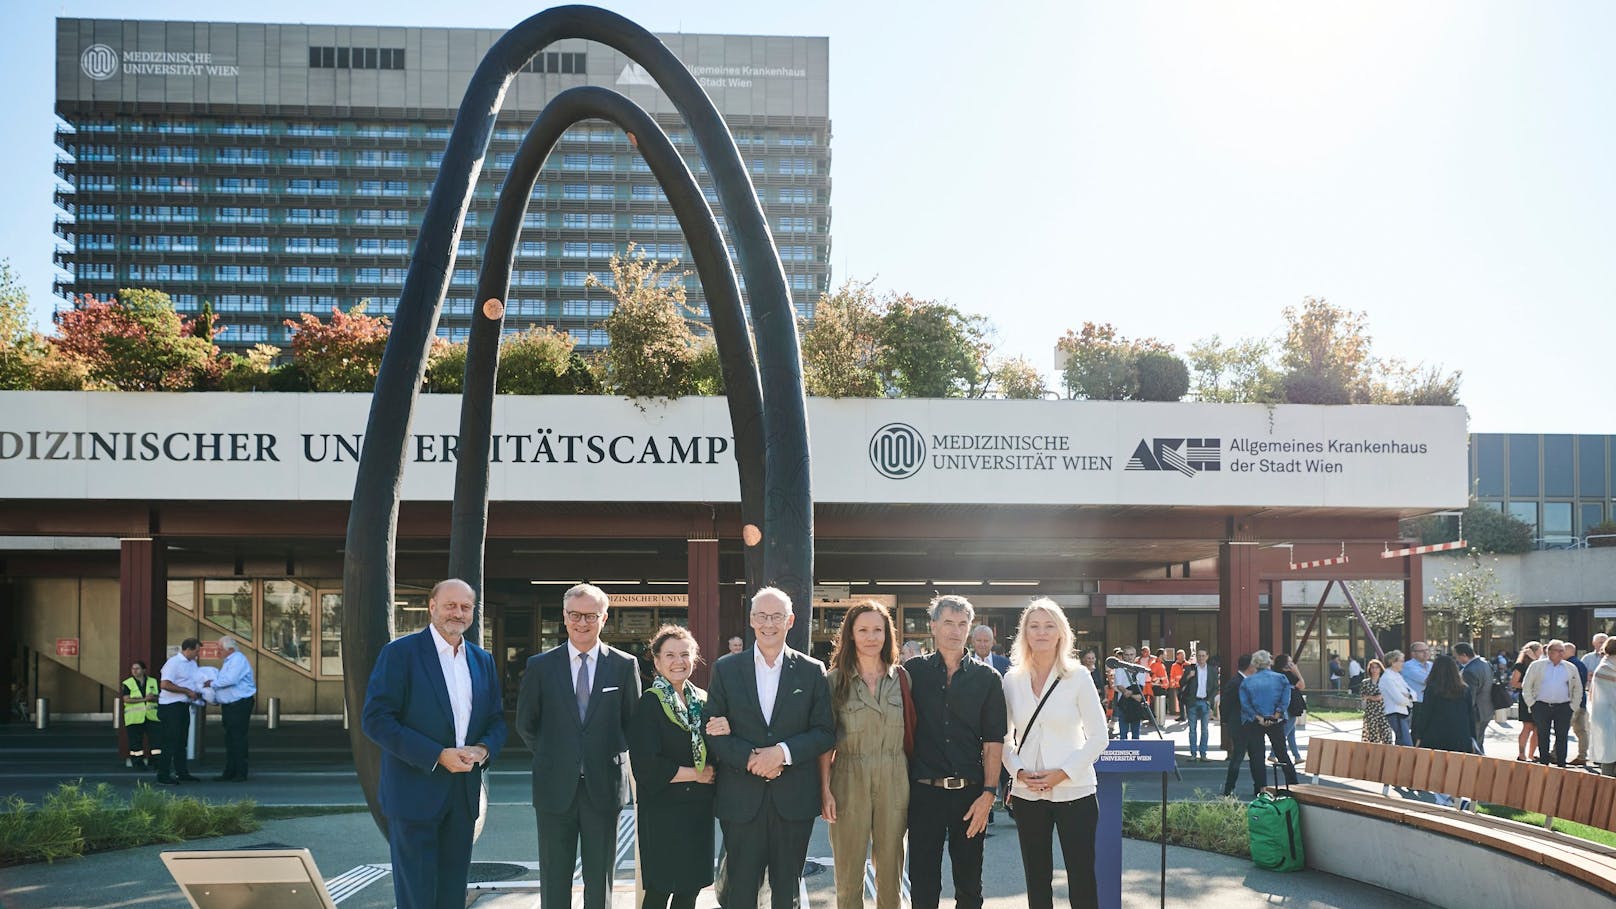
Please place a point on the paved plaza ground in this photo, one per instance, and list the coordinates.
(304, 764)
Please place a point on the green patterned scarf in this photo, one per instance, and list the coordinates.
(686, 716)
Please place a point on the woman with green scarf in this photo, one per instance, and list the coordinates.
(673, 777)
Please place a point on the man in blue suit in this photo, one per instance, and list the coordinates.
(433, 706)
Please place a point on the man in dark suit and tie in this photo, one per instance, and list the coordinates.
(772, 719)
(574, 711)
(433, 706)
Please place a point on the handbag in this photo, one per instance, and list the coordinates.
(909, 718)
(1298, 705)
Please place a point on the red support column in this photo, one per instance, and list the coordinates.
(704, 613)
(1413, 600)
(1239, 618)
(142, 610)
(1276, 617)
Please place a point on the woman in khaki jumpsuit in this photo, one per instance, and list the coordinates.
(864, 781)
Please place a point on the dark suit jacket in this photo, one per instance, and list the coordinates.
(407, 714)
(1478, 679)
(1188, 683)
(563, 745)
(802, 720)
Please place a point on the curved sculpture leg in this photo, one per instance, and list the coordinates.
(373, 517)
(700, 227)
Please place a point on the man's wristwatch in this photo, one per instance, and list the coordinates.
(991, 790)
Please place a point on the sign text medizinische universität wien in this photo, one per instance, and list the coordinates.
(108, 445)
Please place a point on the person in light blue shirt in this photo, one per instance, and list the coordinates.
(1264, 697)
(235, 689)
(1416, 669)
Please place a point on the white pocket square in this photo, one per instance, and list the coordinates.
(604, 690)
(797, 691)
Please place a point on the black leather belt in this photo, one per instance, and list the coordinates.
(949, 782)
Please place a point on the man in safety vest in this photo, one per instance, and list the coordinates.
(140, 715)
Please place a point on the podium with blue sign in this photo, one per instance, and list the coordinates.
(1121, 758)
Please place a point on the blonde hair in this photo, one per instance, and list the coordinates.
(1066, 661)
(1529, 647)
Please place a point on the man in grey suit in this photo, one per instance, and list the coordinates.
(1478, 679)
(771, 720)
(573, 711)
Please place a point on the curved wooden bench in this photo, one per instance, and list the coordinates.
(1555, 792)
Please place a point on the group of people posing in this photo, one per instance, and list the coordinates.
(880, 748)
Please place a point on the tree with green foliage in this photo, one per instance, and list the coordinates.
(135, 342)
(1102, 365)
(1380, 601)
(1018, 380)
(1602, 535)
(341, 354)
(841, 346)
(20, 346)
(204, 327)
(1240, 372)
(535, 361)
(1487, 529)
(931, 350)
(1162, 376)
(1470, 596)
(652, 350)
(1325, 354)
(250, 371)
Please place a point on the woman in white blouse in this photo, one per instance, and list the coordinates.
(1398, 698)
(1050, 754)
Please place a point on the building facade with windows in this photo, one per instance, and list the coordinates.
(279, 169)
(1559, 485)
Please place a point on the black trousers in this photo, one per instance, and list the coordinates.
(769, 846)
(145, 739)
(175, 720)
(936, 817)
(582, 825)
(1254, 735)
(1037, 821)
(432, 857)
(237, 716)
(655, 899)
(1554, 718)
(1234, 744)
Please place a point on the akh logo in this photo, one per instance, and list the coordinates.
(1187, 456)
(634, 74)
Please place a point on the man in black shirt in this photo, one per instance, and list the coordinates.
(959, 742)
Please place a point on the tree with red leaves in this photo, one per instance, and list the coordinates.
(135, 342)
(342, 354)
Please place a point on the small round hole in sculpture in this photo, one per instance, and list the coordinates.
(493, 309)
(751, 535)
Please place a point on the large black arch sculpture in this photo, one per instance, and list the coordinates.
(713, 269)
(787, 537)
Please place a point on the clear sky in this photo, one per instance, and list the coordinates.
(1178, 169)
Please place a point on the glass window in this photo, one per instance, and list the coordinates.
(1525, 511)
(1489, 465)
(1559, 472)
(1556, 518)
(409, 610)
(1591, 467)
(288, 622)
(1592, 513)
(1523, 474)
(182, 594)
(331, 634)
(229, 604)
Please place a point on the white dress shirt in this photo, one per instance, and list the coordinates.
(573, 653)
(235, 681)
(1202, 673)
(181, 672)
(1555, 684)
(1068, 735)
(457, 676)
(768, 686)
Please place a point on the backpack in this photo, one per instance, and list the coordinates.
(1274, 826)
(1501, 694)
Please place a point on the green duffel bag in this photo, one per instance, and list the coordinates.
(1274, 825)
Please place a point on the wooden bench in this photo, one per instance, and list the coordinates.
(1556, 792)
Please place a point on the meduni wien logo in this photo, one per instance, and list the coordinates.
(897, 451)
(99, 62)
(1187, 456)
